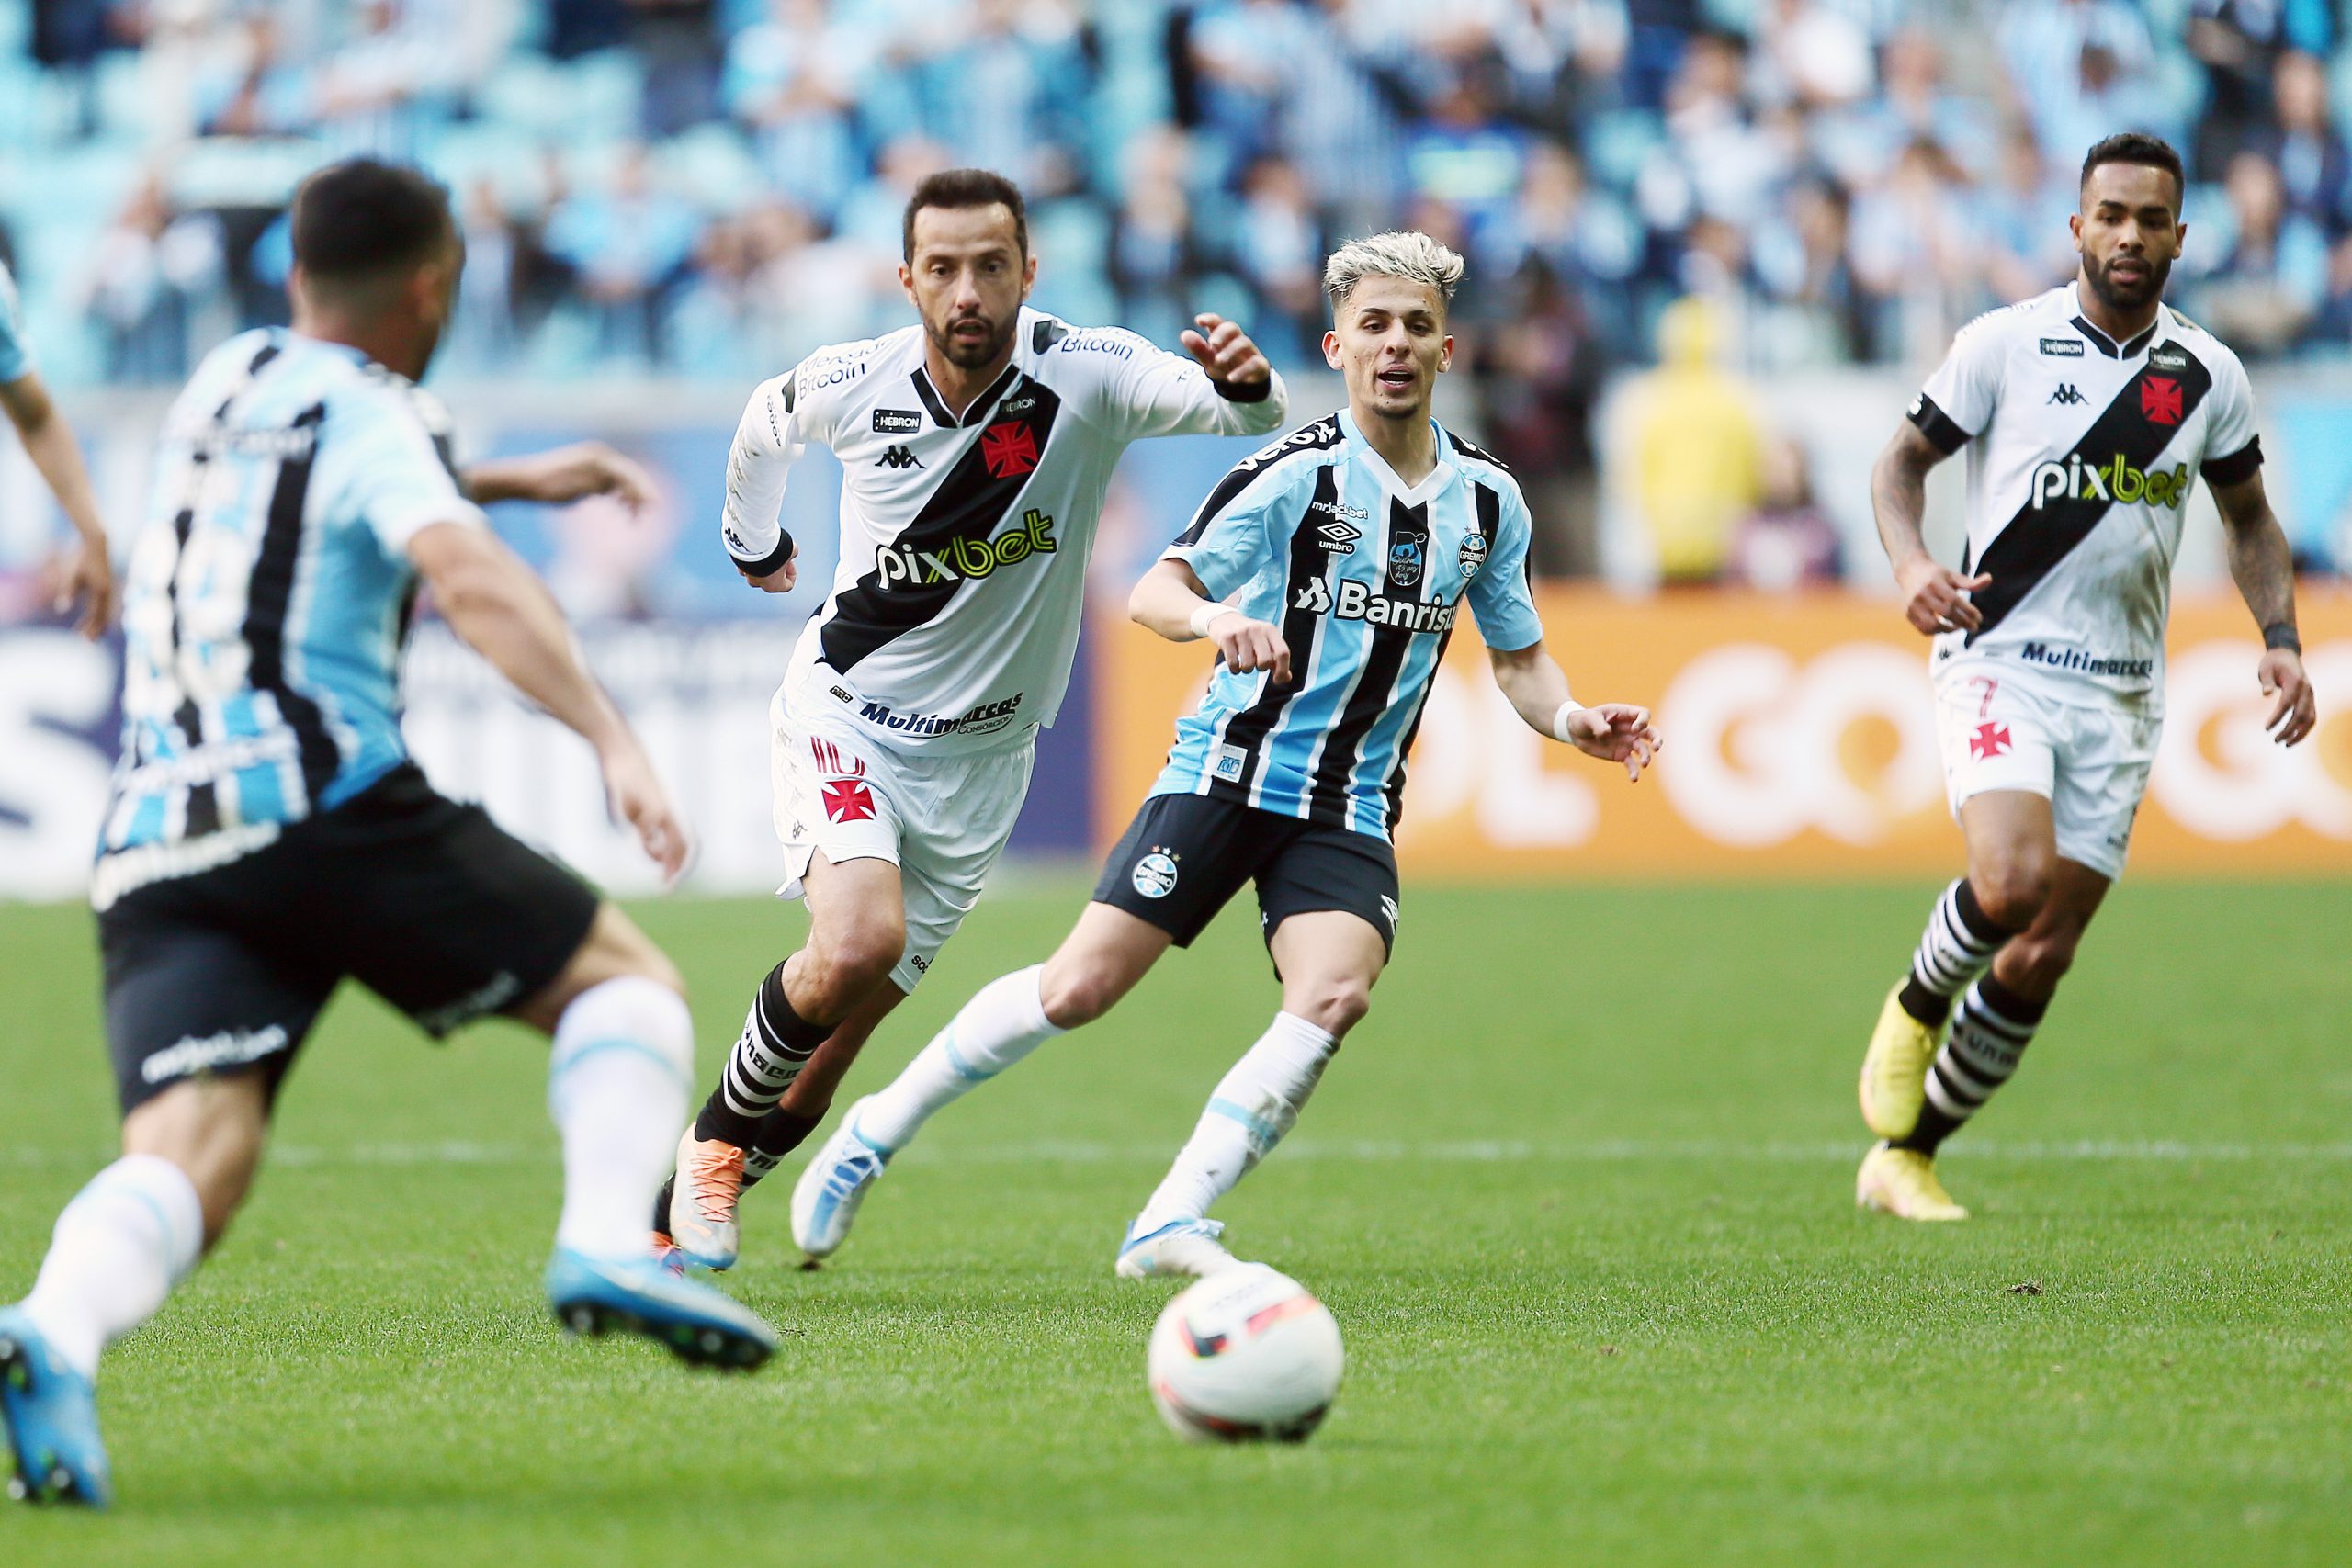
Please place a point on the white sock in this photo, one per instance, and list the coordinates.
(1254, 1105)
(120, 1245)
(617, 1088)
(1000, 1025)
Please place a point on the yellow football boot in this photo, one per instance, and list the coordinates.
(1903, 1182)
(1894, 1070)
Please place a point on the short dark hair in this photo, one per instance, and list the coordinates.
(361, 219)
(967, 187)
(2150, 151)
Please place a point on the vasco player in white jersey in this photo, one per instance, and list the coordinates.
(976, 447)
(2088, 413)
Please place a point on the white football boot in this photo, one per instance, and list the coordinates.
(1180, 1249)
(702, 1207)
(832, 1186)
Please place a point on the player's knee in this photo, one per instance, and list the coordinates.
(846, 967)
(1076, 994)
(2040, 962)
(2012, 889)
(1334, 1005)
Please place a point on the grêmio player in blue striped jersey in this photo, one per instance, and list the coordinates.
(1347, 550)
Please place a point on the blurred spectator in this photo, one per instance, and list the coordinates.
(1010, 93)
(2022, 222)
(2270, 287)
(792, 79)
(1816, 312)
(2237, 43)
(151, 263)
(371, 95)
(1692, 448)
(1915, 256)
(677, 43)
(2313, 161)
(1278, 253)
(1153, 254)
(1787, 541)
(2080, 70)
(1540, 384)
(627, 245)
(1586, 240)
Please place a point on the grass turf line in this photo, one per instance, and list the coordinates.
(1625, 1314)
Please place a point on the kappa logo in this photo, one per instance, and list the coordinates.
(898, 457)
(1009, 449)
(2063, 348)
(1473, 555)
(2160, 400)
(896, 422)
(2066, 395)
(1154, 874)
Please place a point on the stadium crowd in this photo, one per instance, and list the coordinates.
(709, 188)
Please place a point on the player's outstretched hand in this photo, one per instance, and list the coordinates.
(80, 574)
(1226, 352)
(1250, 645)
(1616, 732)
(780, 581)
(1934, 597)
(591, 468)
(633, 791)
(2294, 711)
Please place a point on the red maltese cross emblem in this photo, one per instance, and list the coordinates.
(1008, 449)
(846, 800)
(1989, 741)
(2160, 400)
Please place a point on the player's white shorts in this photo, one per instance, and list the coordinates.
(941, 820)
(2090, 760)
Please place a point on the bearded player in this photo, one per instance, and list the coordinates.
(976, 447)
(2088, 413)
(1349, 547)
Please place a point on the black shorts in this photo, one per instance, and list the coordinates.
(1185, 855)
(426, 902)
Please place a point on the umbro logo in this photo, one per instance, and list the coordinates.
(2066, 395)
(1338, 539)
(898, 457)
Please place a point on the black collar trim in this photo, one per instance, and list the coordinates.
(2109, 346)
(937, 406)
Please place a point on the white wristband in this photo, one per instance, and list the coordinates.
(1205, 616)
(1560, 719)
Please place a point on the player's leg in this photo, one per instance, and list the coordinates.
(1141, 905)
(2000, 770)
(201, 1029)
(444, 915)
(1328, 899)
(838, 814)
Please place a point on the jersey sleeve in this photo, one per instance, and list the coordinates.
(770, 439)
(384, 467)
(1136, 389)
(1960, 399)
(1233, 534)
(16, 357)
(2233, 450)
(1500, 595)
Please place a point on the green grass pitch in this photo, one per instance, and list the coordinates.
(1579, 1192)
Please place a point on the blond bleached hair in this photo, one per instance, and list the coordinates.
(1405, 253)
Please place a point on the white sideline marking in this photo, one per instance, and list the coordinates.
(1616, 1151)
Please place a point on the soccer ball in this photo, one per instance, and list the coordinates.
(1245, 1356)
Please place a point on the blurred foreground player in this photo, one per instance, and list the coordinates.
(1350, 543)
(2091, 410)
(269, 836)
(85, 572)
(976, 447)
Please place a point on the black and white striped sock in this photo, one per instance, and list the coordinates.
(1990, 1031)
(1958, 946)
(776, 1043)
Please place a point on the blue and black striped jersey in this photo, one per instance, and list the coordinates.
(1364, 575)
(267, 597)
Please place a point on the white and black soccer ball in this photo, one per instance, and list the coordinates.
(1246, 1355)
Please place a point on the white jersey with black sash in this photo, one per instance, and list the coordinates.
(2082, 451)
(955, 612)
